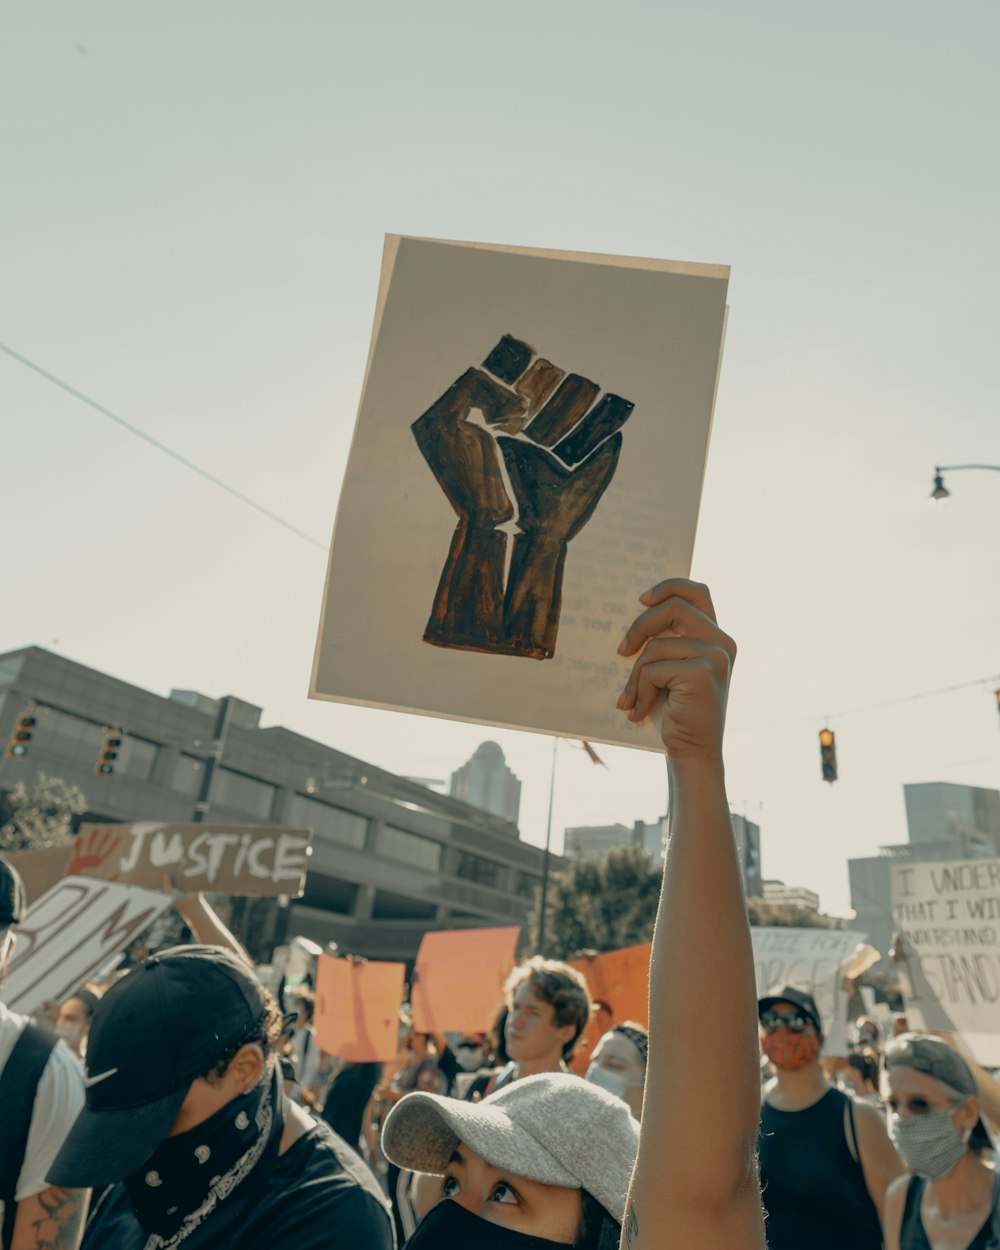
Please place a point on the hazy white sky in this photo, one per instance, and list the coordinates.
(191, 220)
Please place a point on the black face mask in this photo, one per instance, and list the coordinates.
(449, 1226)
(187, 1176)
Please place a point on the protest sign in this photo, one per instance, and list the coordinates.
(618, 982)
(810, 960)
(458, 979)
(357, 1009)
(227, 859)
(528, 458)
(70, 933)
(948, 916)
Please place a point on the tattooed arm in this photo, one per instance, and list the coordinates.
(695, 1180)
(51, 1220)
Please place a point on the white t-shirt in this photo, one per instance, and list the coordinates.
(58, 1101)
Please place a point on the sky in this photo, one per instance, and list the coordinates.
(191, 223)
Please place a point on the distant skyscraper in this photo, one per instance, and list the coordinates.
(485, 781)
(747, 836)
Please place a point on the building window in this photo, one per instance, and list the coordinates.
(242, 793)
(481, 871)
(136, 758)
(188, 774)
(388, 906)
(527, 885)
(407, 848)
(329, 894)
(342, 826)
(68, 736)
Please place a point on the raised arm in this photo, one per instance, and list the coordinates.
(206, 925)
(695, 1180)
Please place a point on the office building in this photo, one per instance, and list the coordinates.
(793, 895)
(598, 840)
(486, 782)
(390, 858)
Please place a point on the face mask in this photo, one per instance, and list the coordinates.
(470, 1058)
(70, 1031)
(929, 1144)
(790, 1051)
(187, 1176)
(449, 1225)
(614, 1082)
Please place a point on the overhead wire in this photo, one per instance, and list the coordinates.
(162, 447)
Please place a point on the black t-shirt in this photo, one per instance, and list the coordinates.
(318, 1195)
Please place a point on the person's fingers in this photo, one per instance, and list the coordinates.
(680, 617)
(696, 593)
(653, 669)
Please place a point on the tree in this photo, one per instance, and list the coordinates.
(42, 816)
(601, 904)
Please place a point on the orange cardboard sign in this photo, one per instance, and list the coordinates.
(357, 1009)
(459, 976)
(619, 988)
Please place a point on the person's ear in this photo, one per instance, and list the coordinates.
(967, 1114)
(246, 1067)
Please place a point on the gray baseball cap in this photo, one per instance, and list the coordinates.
(554, 1128)
(934, 1057)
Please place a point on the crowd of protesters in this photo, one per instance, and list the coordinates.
(182, 1104)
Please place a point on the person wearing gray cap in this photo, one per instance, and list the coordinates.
(953, 1197)
(545, 1162)
(41, 1094)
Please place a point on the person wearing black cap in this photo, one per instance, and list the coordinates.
(187, 1130)
(825, 1160)
(953, 1197)
(41, 1093)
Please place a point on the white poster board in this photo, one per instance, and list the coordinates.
(948, 915)
(809, 960)
(70, 933)
(528, 458)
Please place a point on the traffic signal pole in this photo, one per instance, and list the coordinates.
(214, 758)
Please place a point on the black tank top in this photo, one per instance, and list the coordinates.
(814, 1190)
(911, 1231)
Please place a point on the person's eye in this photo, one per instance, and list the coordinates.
(502, 1192)
(449, 1187)
(919, 1106)
(892, 1104)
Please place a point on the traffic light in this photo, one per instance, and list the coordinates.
(17, 747)
(828, 754)
(997, 693)
(105, 765)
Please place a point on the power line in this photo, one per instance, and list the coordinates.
(154, 442)
(910, 698)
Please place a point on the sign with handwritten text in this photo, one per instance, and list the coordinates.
(948, 916)
(70, 933)
(227, 859)
(810, 960)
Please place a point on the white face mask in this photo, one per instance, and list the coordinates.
(470, 1058)
(929, 1144)
(614, 1082)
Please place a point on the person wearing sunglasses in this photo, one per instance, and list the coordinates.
(952, 1198)
(825, 1160)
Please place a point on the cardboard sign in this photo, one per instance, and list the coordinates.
(357, 1009)
(810, 960)
(619, 990)
(227, 859)
(459, 977)
(528, 458)
(948, 915)
(70, 933)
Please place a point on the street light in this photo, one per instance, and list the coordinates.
(941, 491)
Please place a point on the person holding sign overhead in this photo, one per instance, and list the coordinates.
(547, 1161)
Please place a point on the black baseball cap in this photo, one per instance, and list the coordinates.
(168, 1021)
(12, 897)
(798, 998)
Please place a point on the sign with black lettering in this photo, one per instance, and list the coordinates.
(72, 932)
(227, 859)
(948, 917)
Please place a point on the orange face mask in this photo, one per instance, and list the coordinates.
(790, 1051)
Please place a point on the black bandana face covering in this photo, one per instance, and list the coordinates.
(187, 1176)
(450, 1227)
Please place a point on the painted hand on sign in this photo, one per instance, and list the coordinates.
(524, 454)
(94, 846)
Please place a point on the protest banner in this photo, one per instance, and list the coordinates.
(357, 1009)
(458, 979)
(810, 960)
(948, 916)
(528, 457)
(70, 933)
(227, 859)
(618, 982)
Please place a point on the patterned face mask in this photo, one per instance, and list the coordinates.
(929, 1144)
(791, 1051)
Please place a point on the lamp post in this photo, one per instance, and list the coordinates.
(941, 491)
